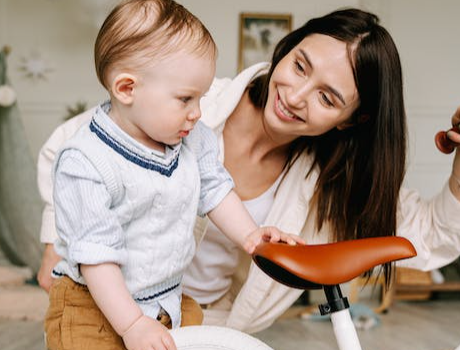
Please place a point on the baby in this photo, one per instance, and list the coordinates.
(129, 184)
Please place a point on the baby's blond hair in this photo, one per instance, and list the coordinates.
(139, 30)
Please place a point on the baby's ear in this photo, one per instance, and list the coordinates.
(123, 87)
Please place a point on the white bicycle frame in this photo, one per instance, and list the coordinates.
(342, 323)
(345, 331)
(338, 308)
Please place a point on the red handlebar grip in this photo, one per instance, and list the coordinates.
(444, 144)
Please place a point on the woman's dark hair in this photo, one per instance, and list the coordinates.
(361, 167)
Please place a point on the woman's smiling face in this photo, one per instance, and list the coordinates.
(312, 89)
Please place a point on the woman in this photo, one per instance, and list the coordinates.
(315, 143)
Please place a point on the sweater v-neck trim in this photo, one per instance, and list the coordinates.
(119, 141)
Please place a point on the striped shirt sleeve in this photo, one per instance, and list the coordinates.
(86, 225)
(216, 182)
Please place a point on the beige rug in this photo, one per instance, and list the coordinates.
(19, 301)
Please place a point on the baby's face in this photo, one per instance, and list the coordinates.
(166, 97)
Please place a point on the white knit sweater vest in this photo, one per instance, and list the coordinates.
(157, 213)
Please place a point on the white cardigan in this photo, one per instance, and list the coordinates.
(433, 226)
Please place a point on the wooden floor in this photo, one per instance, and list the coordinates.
(427, 325)
(432, 325)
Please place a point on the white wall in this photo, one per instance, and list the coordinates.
(221, 17)
(427, 34)
(58, 30)
(430, 51)
(63, 31)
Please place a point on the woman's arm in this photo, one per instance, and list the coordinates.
(45, 162)
(49, 260)
(433, 226)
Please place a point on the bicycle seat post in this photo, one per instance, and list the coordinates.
(338, 308)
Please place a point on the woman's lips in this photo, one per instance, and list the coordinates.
(283, 113)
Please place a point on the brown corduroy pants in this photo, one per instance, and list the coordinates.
(74, 322)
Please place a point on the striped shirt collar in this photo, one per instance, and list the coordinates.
(132, 150)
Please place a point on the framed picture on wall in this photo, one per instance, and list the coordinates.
(259, 34)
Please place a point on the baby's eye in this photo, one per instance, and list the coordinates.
(185, 99)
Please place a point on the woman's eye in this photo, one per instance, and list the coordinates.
(185, 99)
(326, 100)
(298, 66)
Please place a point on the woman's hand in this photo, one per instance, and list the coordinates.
(49, 261)
(269, 234)
(454, 135)
(148, 334)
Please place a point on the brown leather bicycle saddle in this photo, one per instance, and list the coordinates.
(312, 266)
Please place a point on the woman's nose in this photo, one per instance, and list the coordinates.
(297, 96)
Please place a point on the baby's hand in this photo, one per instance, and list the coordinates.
(147, 334)
(269, 234)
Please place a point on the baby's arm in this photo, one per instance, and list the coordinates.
(232, 218)
(221, 203)
(48, 233)
(108, 289)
